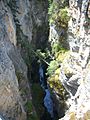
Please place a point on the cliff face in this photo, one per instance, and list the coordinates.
(33, 19)
(75, 70)
(10, 101)
(14, 86)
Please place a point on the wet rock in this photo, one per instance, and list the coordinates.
(48, 102)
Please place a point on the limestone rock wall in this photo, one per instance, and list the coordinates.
(75, 69)
(31, 17)
(11, 105)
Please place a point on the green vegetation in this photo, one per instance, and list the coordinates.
(30, 111)
(37, 95)
(52, 67)
(58, 13)
(58, 54)
(58, 17)
(53, 56)
(54, 71)
(29, 106)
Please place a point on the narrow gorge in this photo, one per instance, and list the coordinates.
(44, 59)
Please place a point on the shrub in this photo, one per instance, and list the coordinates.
(58, 13)
(52, 67)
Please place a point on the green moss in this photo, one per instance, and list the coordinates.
(55, 84)
(29, 106)
(31, 115)
(37, 99)
(54, 72)
(61, 55)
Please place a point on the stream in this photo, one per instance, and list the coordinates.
(48, 103)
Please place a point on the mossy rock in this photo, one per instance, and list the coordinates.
(55, 83)
(37, 99)
(61, 55)
(31, 114)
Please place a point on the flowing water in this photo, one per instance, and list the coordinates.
(48, 103)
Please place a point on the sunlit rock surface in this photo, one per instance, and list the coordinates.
(75, 70)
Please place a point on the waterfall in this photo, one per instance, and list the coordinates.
(48, 103)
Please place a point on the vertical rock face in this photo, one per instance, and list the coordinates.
(33, 21)
(11, 105)
(75, 70)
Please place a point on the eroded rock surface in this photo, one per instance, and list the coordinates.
(30, 16)
(11, 105)
(33, 19)
(10, 101)
(75, 69)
